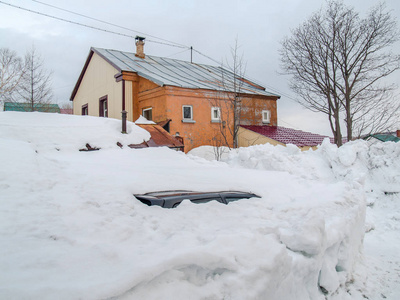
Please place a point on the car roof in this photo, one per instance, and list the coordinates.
(175, 193)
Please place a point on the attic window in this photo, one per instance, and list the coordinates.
(148, 113)
(266, 116)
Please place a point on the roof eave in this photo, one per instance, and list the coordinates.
(78, 83)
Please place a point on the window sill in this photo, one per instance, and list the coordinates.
(215, 121)
(189, 121)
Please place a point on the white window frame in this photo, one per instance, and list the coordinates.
(266, 116)
(217, 119)
(103, 107)
(85, 109)
(148, 109)
(191, 113)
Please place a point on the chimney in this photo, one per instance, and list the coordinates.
(398, 133)
(139, 46)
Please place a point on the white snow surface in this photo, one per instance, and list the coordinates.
(70, 227)
(143, 120)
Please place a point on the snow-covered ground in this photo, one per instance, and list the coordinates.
(70, 227)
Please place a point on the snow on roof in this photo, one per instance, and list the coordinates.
(142, 120)
(174, 72)
(288, 135)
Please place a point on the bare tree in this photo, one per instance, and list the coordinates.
(34, 87)
(11, 72)
(66, 105)
(337, 61)
(229, 100)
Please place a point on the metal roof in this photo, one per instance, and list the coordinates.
(288, 135)
(41, 107)
(386, 137)
(173, 72)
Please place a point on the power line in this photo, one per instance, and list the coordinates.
(167, 42)
(178, 53)
(281, 120)
(255, 81)
(85, 25)
(210, 58)
(108, 23)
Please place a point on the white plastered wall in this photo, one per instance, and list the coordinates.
(97, 82)
(248, 138)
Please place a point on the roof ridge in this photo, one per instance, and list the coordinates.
(181, 73)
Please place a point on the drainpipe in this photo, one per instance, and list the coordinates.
(124, 112)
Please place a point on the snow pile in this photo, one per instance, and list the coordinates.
(45, 131)
(378, 165)
(72, 229)
(377, 168)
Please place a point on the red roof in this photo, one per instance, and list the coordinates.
(159, 137)
(288, 135)
(66, 111)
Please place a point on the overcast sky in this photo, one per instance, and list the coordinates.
(210, 26)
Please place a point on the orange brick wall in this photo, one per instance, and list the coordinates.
(167, 102)
(195, 134)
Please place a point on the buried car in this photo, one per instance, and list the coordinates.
(171, 199)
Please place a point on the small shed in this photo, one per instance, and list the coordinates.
(277, 135)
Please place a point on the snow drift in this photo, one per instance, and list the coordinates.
(71, 228)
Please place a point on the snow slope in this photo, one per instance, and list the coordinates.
(70, 227)
(377, 167)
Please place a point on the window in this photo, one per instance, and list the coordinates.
(148, 113)
(103, 111)
(85, 109)
(266, 116)
(215, 114)
(187, 113)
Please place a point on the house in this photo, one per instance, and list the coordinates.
(41, 107)
(184, 98)
(277, 135)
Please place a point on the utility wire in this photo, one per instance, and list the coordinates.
(85, 25)
(108, 23)
(167, 42)
(255, 81)
(210, 58)
(178, 53)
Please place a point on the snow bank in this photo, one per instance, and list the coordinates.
(71, 228)
(47, 131)
(376, 166)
